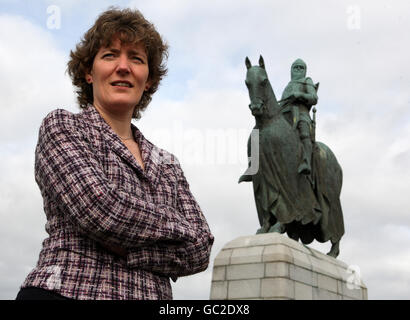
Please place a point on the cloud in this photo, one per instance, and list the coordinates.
(32, 82)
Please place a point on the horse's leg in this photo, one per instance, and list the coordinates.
(263, 229)
(265, 226)
(277, 227)
(334, 251)
(292, 231)
(262, 216)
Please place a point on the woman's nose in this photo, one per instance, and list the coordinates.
(123, 64)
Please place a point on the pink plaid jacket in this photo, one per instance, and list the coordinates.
(95, 195)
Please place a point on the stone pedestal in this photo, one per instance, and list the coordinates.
(273, 266)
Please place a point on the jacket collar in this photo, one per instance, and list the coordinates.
(151, 155)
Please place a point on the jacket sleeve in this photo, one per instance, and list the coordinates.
(69, 173)
(175, 260)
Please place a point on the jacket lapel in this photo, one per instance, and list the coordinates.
(151, 155)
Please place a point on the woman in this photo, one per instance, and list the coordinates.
(120, 216)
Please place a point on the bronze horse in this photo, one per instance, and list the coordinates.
(305, 207)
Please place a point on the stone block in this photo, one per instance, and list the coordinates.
(277, 252)
(327, 283)
(365, 297)
(302, 275)
(277, 270)
(301, 259)
(303, 291)
(339, 287)
(322, 267)
(272, 266)
(278, 288)
(246, 255)
(322, 294)
(244, 289)
(219, 273)
(295, 245)
(219, 290)
(245, 271)
(223, 258)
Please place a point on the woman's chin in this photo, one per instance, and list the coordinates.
(121, 105)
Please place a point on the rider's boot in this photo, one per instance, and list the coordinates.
(305, 167)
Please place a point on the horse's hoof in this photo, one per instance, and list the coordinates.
(334, 250)
(333, 254)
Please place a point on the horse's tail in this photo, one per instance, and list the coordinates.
(329, 178)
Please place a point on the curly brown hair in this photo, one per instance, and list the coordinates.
(131, 27)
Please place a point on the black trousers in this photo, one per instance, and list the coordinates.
(32, 293)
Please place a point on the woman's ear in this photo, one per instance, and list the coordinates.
(147, 85)
(88, 78)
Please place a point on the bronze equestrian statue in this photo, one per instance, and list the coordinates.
(298, 182)
(298, 97)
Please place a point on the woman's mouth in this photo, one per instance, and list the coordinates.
(125, 84)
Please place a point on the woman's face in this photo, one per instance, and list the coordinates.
(119, 76)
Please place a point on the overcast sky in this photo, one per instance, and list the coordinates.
(357, 50)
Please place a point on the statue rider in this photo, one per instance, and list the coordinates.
(298, 97)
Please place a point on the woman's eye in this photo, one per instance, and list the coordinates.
(107, 55)
(138, 59)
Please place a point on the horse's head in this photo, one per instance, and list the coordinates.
(260, 90)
